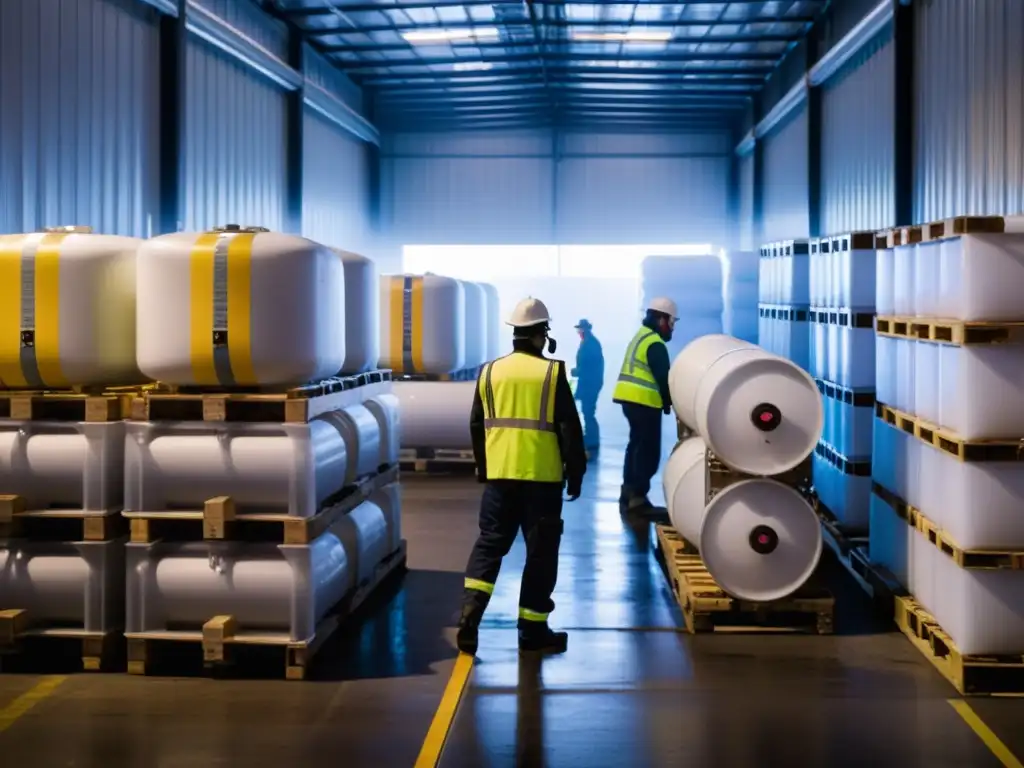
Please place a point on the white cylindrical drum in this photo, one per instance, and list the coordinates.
(476, 324)
(362, 345)
(684, 483)
(493, 321)
(387, 411)
(239, 307)
(361, 432)
(389, 499)
(759, 413)
(67, 317)
(46, 580)
(435, 414)
(422, 324)
(365, 534)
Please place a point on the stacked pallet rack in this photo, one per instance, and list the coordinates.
(330, 551)
(440, 460)
(62, 542)
(948, 476)
(784, 300)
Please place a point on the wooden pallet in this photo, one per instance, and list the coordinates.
(57, 524)
(440, 461)
(222, 642)
(970, 675)
(64, 406)
(707, 608)
(950, 442)
(99, 651)
(953, 332)
(294, 405)
(851, 241)
(963, 225)
(219, 520)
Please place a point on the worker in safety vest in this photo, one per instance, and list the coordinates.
(642, 390)
(528, 446)
(589, 375)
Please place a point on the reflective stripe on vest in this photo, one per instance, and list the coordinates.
(521, 443)
(636, 382)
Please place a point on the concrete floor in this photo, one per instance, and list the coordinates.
(631, 691)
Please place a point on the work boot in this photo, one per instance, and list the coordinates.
(625, 494)
(638, 504)
(537, 637)
(473, 605)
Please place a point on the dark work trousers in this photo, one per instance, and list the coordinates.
(643, 451)
(591, 430)
(507, 507)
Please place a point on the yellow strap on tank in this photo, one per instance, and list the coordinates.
(395, 322)
(201, 268)
(47, 330)
(403, 359)
(10, 311)
(240, 308)
(417, 324)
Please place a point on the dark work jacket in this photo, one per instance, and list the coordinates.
(658, 362)
(567, 423)
(589, 368)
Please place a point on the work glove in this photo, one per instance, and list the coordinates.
(574, 487)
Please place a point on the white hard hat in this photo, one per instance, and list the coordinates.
(528, 312)
(665, 306)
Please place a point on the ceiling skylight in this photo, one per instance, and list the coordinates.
(440, 36)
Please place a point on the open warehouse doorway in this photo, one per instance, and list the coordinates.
(601, 283)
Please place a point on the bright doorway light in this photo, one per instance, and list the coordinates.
(428, 36)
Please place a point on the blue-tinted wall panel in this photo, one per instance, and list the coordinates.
(970, 108)
(336, 187)
(857, 145)
(785, 179)
(244, 16)
(747, 229)
(79, 121)
(234, 143)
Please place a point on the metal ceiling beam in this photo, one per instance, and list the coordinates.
(357, 29)
(733, 102)
(693, 74)
(568, 58)
(442, 108)
(593, 85)
(426, 5)
(501, 44)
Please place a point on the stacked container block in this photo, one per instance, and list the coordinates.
(784, 300)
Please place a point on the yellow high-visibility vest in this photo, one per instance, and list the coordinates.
(518, 392)
(636, 383)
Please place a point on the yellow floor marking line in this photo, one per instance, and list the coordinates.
(433, 745)
(994, 744)
(41, 690)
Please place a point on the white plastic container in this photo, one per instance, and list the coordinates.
(282, 588)
(422, 324)
(273, 468)
(476, 324)
(63, 465)
(856, 365)
(858, 278)
(389, 499)
(884, 450)
(74, 293)
(904, 283)
(926, 381)
(77, 585)
(845, 495)
(833, 352)
(982, 276)
(493, 321)
(239, 308)
(885, 282)
(926, 279)
(362, 344)
(906, 374)
(819, 350)
(890, 542)
(886, 381)
(387, 411)
(981, 390)
(758, 539)
(759, 413)
(435, 414)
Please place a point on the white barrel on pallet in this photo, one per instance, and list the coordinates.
(362, 344)
(239, 307)
(77, 585)
(387, 411)
(759, 413)
(67, 309)
(476, 324)
(435, 414)
(366, 536)
(493, 321)
(389, 499)
(759, 539)
(422, 324)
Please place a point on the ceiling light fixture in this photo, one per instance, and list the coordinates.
(472, 66)
(428, 36)
(630, 36)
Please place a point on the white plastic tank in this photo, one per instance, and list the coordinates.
(476, 324)
(885, 282)
(239, 307)
(366, 536)
(362, 329)
(759, 539)
(759, 413)
(389, 499)
(982, 275)
(67, 309)
(493, 321)
(435, 414)
(422, 324)
(387, 411)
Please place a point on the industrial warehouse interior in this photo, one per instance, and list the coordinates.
(314, 312)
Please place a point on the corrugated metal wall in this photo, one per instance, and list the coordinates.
(857, 181)
(970, 108)
(785, 179)
(508, 187)
(746, 207)
(79, 115)
(336, 186)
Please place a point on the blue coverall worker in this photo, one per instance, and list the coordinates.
(642, 390)
(528, 446)
(589, 375)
